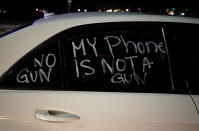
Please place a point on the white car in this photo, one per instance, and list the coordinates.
(101, 72)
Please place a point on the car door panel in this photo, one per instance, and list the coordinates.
(120, 111)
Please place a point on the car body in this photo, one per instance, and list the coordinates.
(101, 71)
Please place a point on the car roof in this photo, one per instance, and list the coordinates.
(132, 16)
(17, 44)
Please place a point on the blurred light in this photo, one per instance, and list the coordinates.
(171, 13)
(99, 10)
(4, 11)
(127, 10)
(110, 10)
(139, 9)
(182, 14)
(69, 1)
(85, 10)
(37, 9)
(173, 9)
(167, 10)
(117, 10)
(41, 11)
(78, 10)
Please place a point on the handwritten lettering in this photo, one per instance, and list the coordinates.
(93, 45)
(41, 72)
(106, 65)
(82, 47)
(22, 76)
(121, 78)
(132, 66)
(146, 63)
(110, 44)
(89, 69)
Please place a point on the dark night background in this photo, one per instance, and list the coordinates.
(96, 3)
(19, 10)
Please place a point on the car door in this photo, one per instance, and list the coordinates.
(108, 76)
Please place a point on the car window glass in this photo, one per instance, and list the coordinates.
(40, 69)
(182, 42)
(125, 57)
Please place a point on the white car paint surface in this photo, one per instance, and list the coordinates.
(105, 111)
(87, 110)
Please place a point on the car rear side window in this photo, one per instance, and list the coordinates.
(182, 42)
(127, 57)
(38, 70)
